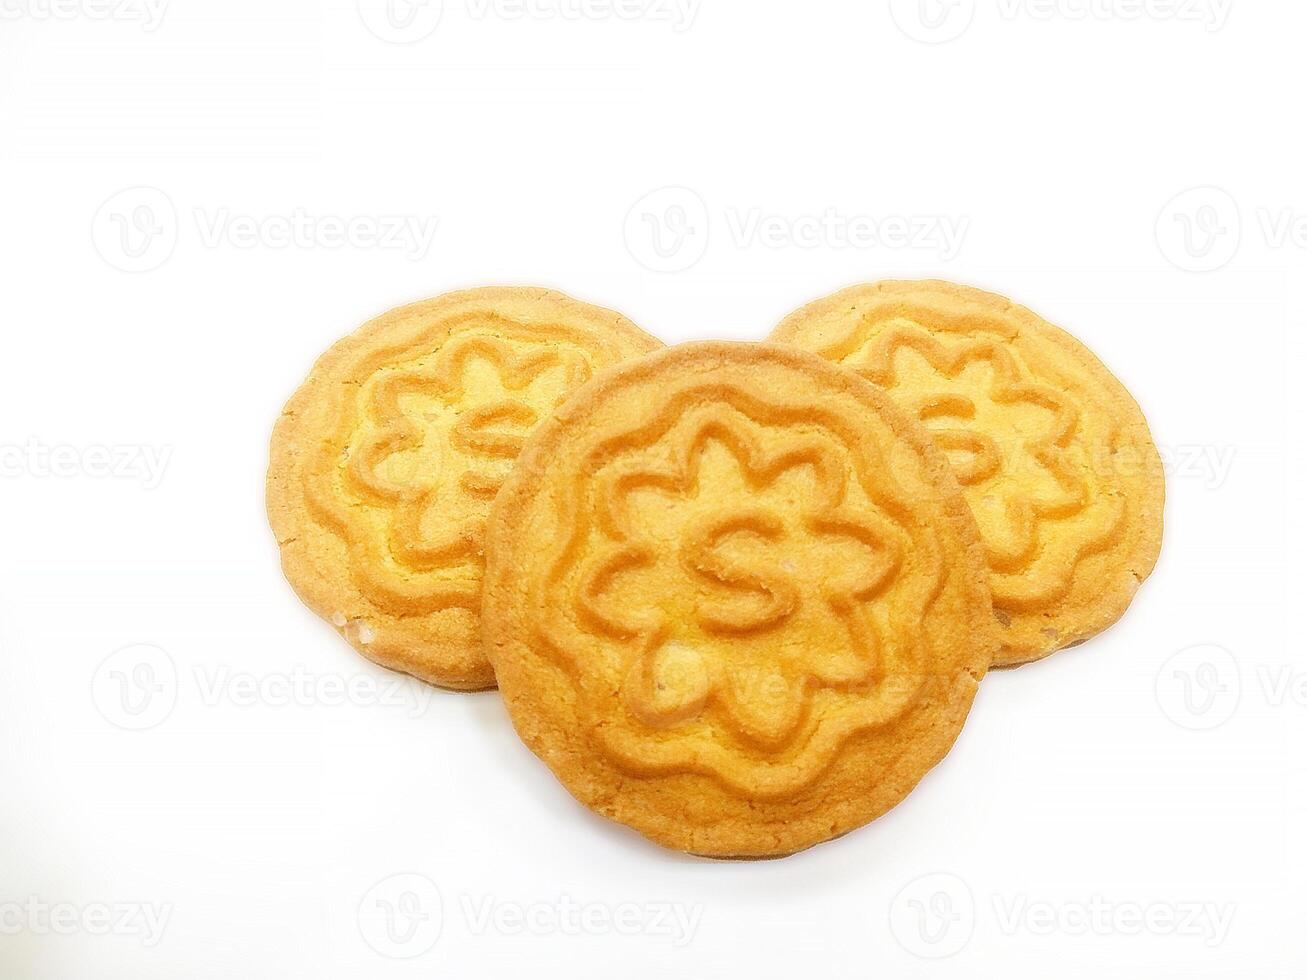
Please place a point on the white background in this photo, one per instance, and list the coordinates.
(151, 305)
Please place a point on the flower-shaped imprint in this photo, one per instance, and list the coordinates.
(385, 462)
(747, 623)
(735, 599)
(1053, 454)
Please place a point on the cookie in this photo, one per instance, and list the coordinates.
(1052, 452)
(385, 462)
(735, 599)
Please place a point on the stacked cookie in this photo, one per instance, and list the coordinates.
(736, 596)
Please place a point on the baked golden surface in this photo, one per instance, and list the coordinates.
(734, 599)
(1052, 452)
(385, 462)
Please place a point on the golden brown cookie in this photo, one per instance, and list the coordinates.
(1053, 454)
(735, 600)
(385, 462)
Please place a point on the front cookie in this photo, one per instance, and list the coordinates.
(1053, 454)
(384, 463)
(735, 600)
